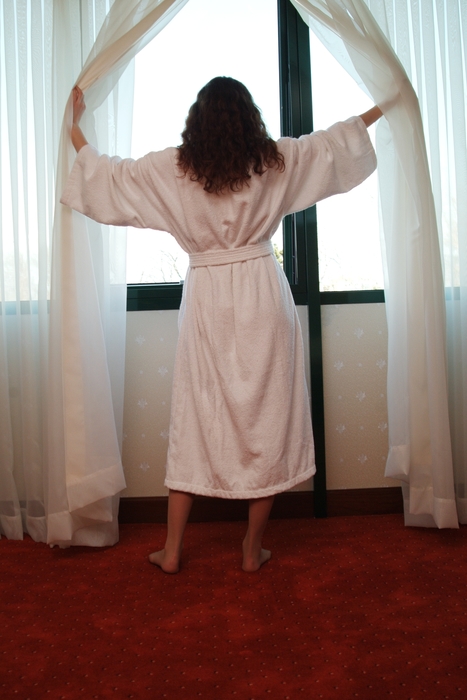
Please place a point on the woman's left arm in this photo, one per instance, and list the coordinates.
(77, 137)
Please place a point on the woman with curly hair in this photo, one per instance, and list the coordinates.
(240, 415)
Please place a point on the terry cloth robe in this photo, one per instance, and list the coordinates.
(240, 414)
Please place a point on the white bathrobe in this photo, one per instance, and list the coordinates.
(240, 417)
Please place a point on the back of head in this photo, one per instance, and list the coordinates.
(225, 139)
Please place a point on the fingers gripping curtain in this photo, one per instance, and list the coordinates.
(420, 448)
(86, 369)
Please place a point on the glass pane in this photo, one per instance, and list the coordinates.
(348, 226)
(206, 38)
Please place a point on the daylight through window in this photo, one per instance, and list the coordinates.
(206, 38)
(348, 226)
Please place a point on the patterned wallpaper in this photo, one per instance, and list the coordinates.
(150, 354)
(355, 372)
(354, 340)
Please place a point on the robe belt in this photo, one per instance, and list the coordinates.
(231, 255)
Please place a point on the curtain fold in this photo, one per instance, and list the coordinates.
(41, 47)
(62, 295)
(26, 196)
(87, 307)
(431, 40)
(419, 435)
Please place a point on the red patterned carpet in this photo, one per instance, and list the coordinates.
(355, 607)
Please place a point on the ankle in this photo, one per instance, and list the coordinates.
(173, 549)
(251, 546)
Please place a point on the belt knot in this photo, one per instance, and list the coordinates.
(231, 255)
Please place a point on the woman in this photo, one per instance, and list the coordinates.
(240, 416)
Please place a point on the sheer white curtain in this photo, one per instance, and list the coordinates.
(43, 45)
(87, 309)
(62, 321)
(430, 39)
(420, 446)
(32, 99)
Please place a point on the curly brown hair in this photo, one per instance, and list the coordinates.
(225, 138)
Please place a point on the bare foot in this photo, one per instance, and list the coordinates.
(169, 564)
(255, 562)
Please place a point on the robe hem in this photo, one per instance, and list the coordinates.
(199, 490)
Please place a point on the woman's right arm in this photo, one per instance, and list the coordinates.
(325, 163)
(371, 116)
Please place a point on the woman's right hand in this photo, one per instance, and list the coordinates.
(78, 104)
(371, 116)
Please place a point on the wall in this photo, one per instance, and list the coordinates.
(355, 375)
(355, 357)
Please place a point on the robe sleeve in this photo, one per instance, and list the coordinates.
(325, 163)
(123, 192)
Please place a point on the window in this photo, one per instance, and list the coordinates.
(348, 234)
(347, 242)
(205, 39)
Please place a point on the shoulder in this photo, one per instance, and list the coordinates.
(158, 163)
(156, 158)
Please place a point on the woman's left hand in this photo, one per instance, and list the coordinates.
(79, 104)
(77, 137)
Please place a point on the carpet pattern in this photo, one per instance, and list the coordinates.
(350, 607)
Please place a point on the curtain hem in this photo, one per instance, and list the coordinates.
(85, 492)
(81, 528)
(422, 509)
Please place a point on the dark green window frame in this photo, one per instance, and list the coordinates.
(301, 231)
